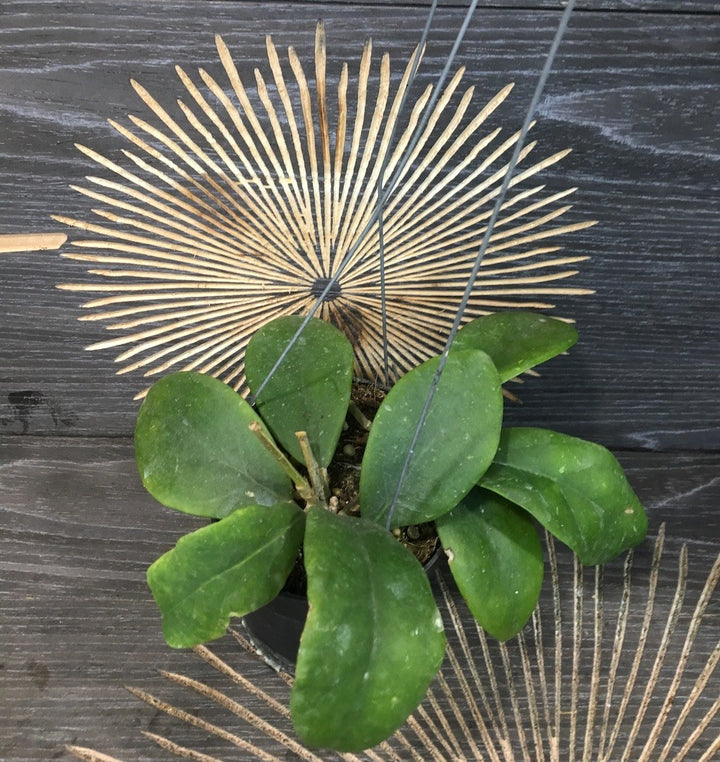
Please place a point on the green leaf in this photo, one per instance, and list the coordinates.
(496, 559)
(310, 390)
(516, 340)
(456, 445)
(229, 568)
(373, 639)
(576, 489)
(195, 453)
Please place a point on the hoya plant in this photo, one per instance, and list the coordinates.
(373, 638)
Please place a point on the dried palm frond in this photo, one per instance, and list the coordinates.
(608, 670)
(17, 242)
(240, 207)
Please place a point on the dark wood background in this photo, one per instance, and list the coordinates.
(635, 92)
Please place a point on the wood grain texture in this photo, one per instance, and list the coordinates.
(619, 6)
(634, 92)
(635, 95)
(79, 623)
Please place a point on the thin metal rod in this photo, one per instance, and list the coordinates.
(382, 198)
(385, 195)
(383, 294)
(437, 90)
(481, 252)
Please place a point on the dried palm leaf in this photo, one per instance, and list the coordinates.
(16, 242)
(607, 670)
(240, 207)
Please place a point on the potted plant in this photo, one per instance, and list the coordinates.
(373, 638)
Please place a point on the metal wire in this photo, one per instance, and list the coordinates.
(377, 218)
(382, 198)
(481, 253)
(390, 185)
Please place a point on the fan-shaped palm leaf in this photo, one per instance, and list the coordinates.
(240, 207)
(607, 671)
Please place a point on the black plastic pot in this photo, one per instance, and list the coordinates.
(275, 629)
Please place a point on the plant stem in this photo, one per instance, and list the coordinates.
(359, 416)
(318, 478)
(300, 482)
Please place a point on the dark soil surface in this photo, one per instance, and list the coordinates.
(344, 479)
(344, 471)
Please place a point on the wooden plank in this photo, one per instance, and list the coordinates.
(634, 92)
(635, 95)
(79, 624)
(619, 6)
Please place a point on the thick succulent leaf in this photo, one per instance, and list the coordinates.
(576, 489)
(456, 445)
(310, 390)
(373, 639)
(228, 568)
(496, 559)
(195, 452)
(515, 340)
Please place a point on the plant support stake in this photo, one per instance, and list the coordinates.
(483, 247)
(377, 213)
